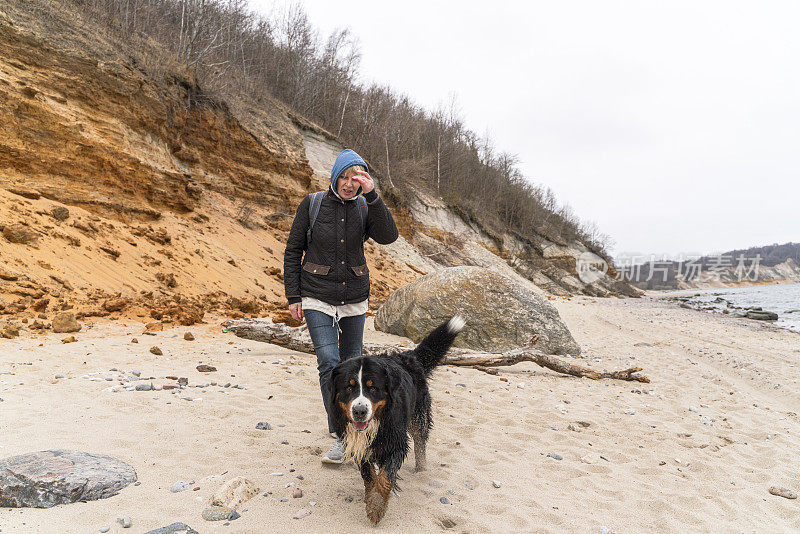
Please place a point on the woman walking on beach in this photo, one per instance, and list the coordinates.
(330, 284)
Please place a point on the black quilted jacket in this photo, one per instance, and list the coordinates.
(334, 269)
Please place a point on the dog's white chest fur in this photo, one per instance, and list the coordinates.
(357, 444)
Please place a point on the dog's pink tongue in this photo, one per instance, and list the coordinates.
(360, 426)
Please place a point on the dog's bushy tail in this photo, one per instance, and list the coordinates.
(433, 348)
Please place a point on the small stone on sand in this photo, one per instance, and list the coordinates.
(783, 492)
(301, 513)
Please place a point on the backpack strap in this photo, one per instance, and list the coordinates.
(363, 212)
(313, 211)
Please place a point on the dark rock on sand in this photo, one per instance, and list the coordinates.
(217, 513)
(60, 213)
(174, 528)
(762, 315)
(47, 478)
(500, 314)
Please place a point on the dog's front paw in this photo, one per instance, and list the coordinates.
(376, 507)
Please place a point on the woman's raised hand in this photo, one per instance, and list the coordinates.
(365, 180)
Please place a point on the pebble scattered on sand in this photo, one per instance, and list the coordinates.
(630, 411)
(301, 513)
(179, 486)
(444, 500)
(693, 409)
(105, 529)
(124, 521)
(496, 483)
(297, 493)
(783, 492)
(263, 425)
(555, 456)
(217, 513)
(144, 387)
(574, 427)
(156, 351)
(188, 336)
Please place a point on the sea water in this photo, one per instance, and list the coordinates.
(783, 299)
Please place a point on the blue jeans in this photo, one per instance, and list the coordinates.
(332, 347)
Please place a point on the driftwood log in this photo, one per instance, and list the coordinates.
(297, 338)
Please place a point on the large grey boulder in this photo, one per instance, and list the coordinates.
(47, 478)
(500, 313)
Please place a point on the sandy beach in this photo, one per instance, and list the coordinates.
(693, 451)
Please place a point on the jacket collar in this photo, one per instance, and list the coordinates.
(335, 196)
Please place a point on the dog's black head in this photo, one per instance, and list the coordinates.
(360, 391)
(363, 389)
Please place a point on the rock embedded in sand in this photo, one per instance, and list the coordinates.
(174, 528)
(217, 513)
(60, 213)
(156, 351)
(115, 304)
(70, 339)
(179, 486)
(760, 315)
(134, 340)
(783, 492)
(234, 492)
(301, 513)
(203, 368)
(104, 529)
(188, 336)
(48, 478)
(515, 318)
(20, 234)
(65, 323)
(9, 331)
(297, 493)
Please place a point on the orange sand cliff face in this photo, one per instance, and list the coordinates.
(121, 194)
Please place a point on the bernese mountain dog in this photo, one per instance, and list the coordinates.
(378, 402)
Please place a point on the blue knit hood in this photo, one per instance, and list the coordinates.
(345, 159)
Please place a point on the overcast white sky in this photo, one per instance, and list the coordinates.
(674, 125)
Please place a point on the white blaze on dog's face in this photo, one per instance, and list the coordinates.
(361, 407)
(361, 392)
